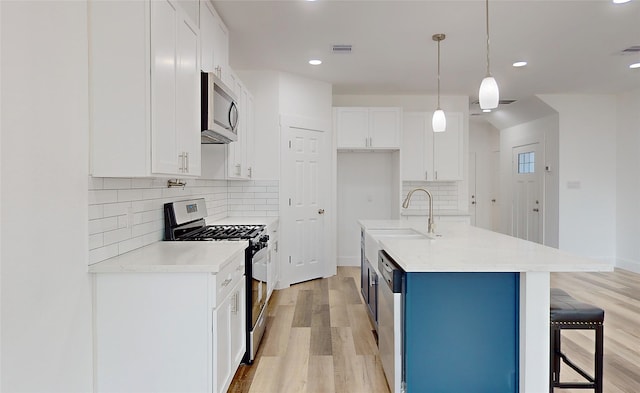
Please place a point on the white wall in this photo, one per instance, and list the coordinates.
(545, 132)
(587, 150)
(308, 98)
(46, 290)
(628, 181)
(365, 191)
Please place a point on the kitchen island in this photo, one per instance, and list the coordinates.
(476, 306)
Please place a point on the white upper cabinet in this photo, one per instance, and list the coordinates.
(431, 156)
(241, 151)
(233, 160)
(368, 127)
(208, 21)
(144, 89)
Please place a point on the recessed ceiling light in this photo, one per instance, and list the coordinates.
(520, 64)
(486, 110)
(634, 65)
(620, 1)
(315, 62)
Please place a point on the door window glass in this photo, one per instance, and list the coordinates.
(526, 162)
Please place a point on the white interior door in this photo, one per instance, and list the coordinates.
(527, 193)
(495, 191)
(305, 184)
(472, 187)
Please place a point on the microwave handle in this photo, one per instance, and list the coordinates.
(233, 116)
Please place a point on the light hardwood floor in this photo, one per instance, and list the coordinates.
(319, 338)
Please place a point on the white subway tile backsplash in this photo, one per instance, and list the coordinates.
(129, 195)
(96, 241)
(116, 209)
(96, 211)
(112, 231)
(445, 195)
(102, 253)
(102, 196)
(103, 225)
(254, 189)
(117, 236)
(96, 183)
(116, 183)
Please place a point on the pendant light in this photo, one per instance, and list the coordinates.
(439, 121)
(489, 94)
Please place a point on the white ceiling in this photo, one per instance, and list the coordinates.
(572, 46)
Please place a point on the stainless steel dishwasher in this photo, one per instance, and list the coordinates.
(390, 321)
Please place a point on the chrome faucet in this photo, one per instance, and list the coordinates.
(405, 205)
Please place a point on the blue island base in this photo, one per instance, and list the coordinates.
(461, 332)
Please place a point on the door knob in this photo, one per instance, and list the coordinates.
(320, 211)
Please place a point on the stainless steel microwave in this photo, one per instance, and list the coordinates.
(219, 111)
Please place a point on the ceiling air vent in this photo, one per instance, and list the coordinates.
(501, 102)
(341, 48)
(631, 50)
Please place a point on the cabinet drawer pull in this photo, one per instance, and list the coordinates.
(226, 282)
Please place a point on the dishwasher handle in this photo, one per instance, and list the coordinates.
(392, 274)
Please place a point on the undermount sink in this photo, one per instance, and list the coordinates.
(405, 233)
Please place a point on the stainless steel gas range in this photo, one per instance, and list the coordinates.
(185, 221)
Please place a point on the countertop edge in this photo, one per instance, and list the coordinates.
(128, 262)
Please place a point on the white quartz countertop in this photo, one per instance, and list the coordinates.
(243, 221)
(174, 257)
(464, 248)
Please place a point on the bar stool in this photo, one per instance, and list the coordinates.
(568, 313)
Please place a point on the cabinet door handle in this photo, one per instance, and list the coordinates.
(436, 175)
(238, 169)
(426, 175)
(187, 160)
(225, 282)
(250, 170)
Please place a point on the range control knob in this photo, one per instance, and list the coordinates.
(264, 238)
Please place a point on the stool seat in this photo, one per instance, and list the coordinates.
(566, 309)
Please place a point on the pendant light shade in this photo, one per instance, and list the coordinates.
(489, 95)
(439, 121)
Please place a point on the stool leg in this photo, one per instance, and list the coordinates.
(556, 356)
(599, 361)
(552, 356)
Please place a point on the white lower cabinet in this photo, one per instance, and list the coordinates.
(169, 332)
(229, 336)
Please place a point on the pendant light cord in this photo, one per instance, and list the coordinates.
(439, 74)
(487, 20)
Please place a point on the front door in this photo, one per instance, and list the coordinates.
(527, 193)
(305, 182)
